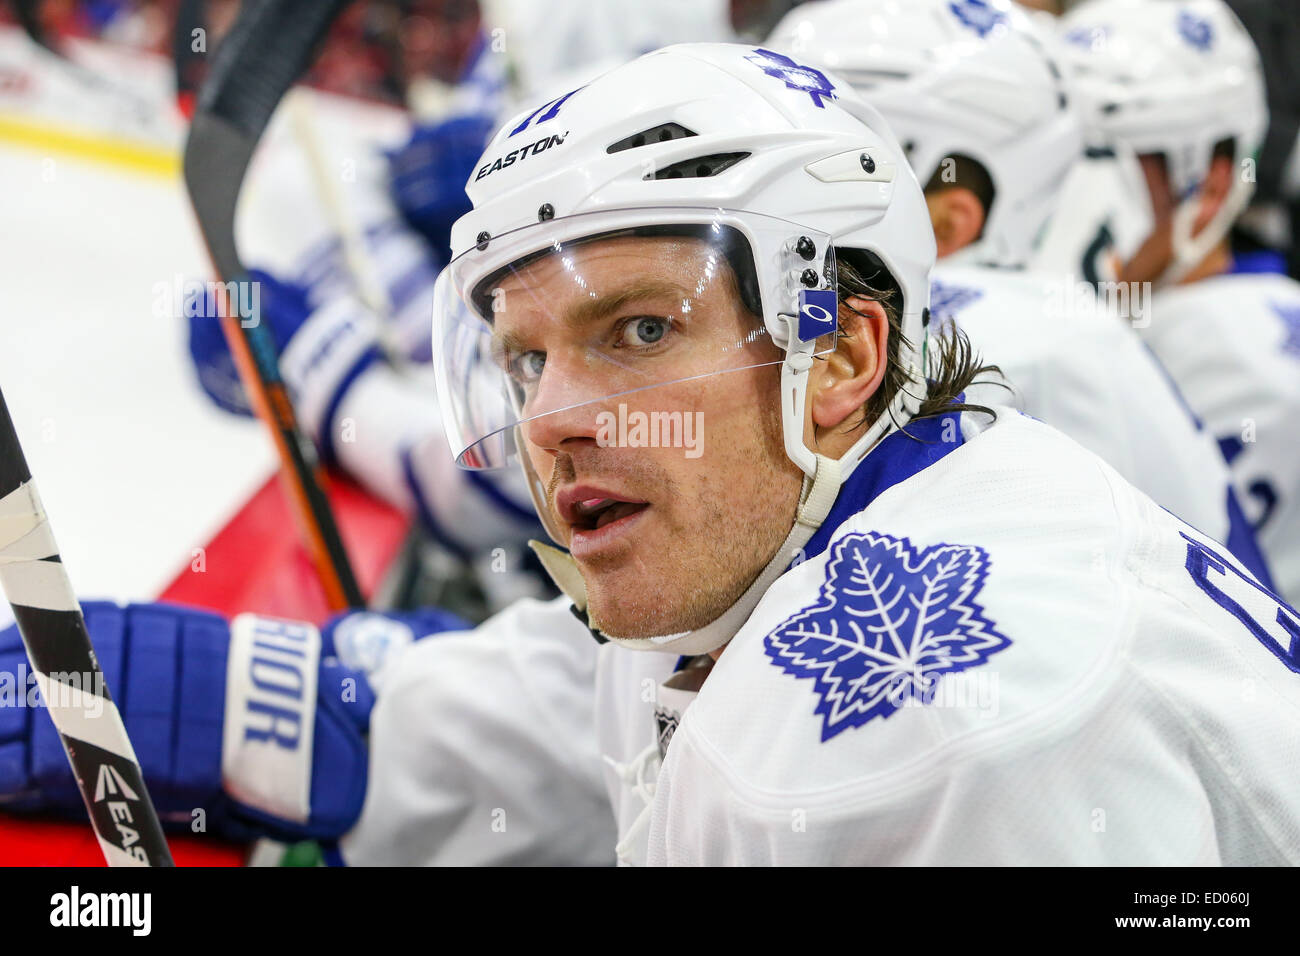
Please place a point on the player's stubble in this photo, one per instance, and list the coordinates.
(716, 522)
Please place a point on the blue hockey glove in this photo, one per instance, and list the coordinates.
(256, 728)
(429, 174)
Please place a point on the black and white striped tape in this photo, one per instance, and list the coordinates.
(71, 683)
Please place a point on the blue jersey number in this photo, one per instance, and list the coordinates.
(1274, 623)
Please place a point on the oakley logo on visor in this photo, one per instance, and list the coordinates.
(818, 309)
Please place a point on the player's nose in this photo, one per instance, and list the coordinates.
(564, 412)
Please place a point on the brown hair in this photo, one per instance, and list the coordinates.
(963, 171)
(953, 363)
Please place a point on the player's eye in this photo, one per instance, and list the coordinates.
(527, 368)
(643, 330)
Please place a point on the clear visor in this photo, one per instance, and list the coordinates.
(563, 329)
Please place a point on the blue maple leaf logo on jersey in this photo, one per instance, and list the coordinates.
(802, 78)
(1289, 313)
(1195, 30)
(946, 300)
(978, 15)
(888, 621)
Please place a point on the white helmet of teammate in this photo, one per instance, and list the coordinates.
(974, 78)
(1174, 79)
(776, 160)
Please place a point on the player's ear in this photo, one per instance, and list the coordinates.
(957, 216)
(1214, 189)
(841, 384)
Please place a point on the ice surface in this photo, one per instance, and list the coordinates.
(135, 467)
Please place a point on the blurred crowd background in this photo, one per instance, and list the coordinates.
(377, 47)
(368, 47)
(371, 47)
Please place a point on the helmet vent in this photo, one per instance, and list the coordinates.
(663, 133)
(869, 78)
(699, 167)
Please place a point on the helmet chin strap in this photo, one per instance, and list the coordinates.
(1190, 250)
(815, 500)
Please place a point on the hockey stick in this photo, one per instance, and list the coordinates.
(187, 61)
(351, 237)
(269, 46)
(352, 242)
(67, 671)
(29, 19)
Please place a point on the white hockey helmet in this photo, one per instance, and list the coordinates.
(958, 77)
(1174, 78)
(764, 164)
(701, 140)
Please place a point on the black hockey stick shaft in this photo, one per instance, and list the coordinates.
(67, 671)
(269, 46)
(30, 20)
(187, 58)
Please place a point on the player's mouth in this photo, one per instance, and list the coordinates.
(597, 517)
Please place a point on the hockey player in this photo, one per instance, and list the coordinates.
(1181, 84)
(625, 268)
(974, 92)
(915, 631)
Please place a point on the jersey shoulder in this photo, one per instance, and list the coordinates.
(1248, 286)
(1233, 334)
(1261, 308)
(979, 618)
(939, 580)
(1023, 316)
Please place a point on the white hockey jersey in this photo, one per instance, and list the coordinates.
(483, 749)
(1232, 343)
(1077, 367)
(520, 742)
(999, 652)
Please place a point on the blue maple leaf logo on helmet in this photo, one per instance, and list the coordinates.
(796, 77)
(979, 15)
(889, 620)
(1195, 30)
